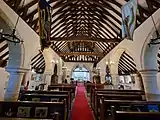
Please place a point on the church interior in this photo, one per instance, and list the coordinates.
(79, 59)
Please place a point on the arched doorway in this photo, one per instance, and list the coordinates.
(81, 73)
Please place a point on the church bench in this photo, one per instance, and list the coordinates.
(133, 115)
(49, 93)
(124, 105)
(63, 88)
(74, 85)
(113, 97)
(114, 92)
(32, 110)
(49, 98)
(94, 92)
(90, 86)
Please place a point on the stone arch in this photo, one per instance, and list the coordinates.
(149, 53)
(115, 57)
(114, 62)
(16, 51)
(15, 62)
(126, 65)
(149, 65)
(19, 54)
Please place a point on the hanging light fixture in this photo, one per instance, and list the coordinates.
(12, 37)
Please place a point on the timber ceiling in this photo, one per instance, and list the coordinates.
(126, 65)
(83, 30)
(38, 63)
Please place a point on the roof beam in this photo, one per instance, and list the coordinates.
(85, 38)
(81, 53)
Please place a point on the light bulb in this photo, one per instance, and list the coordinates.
(1, 30)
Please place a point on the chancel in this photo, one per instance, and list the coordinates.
(80, 59)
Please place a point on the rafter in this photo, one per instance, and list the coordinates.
(85, 38)
(81, 53)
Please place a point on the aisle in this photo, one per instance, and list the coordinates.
(81, 110)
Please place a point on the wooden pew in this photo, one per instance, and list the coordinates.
(123, 105)
(108, 91)
(64, 88)
(74, 85)
(49, 98)
(90, 86)
(131, 115)
(32, 110)
(49, 93)
(114, 92)
(114, 97)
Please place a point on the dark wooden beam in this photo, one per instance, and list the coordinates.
(81, 53)
(85, 38)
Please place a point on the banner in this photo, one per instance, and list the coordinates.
(44, 10)
(129, 11)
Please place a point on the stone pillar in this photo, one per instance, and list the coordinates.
(115, 80)
(138, 82)
(149, 78)
(14, 83)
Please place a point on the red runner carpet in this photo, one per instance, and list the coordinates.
(81, 110)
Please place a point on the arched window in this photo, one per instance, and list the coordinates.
(81, 74)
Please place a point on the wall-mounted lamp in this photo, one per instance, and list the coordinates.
(57, 62)
(98, 68)
(52, 61)
(109, 62)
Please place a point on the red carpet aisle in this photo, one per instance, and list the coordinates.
(81, 110)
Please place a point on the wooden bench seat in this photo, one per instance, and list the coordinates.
(93, 92)
(49, 98)
(90, 86)
(124, 105)
(49, 93)
(32, 110)
(63, 88)
(129, 115)
(114, 97)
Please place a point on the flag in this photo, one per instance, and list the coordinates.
(129, 11)
(44, 10)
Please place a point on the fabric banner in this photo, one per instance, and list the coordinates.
(129, 11)
(44, 10)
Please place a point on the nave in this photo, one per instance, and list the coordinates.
(80, 101)
(81, 110)
(79, 59)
